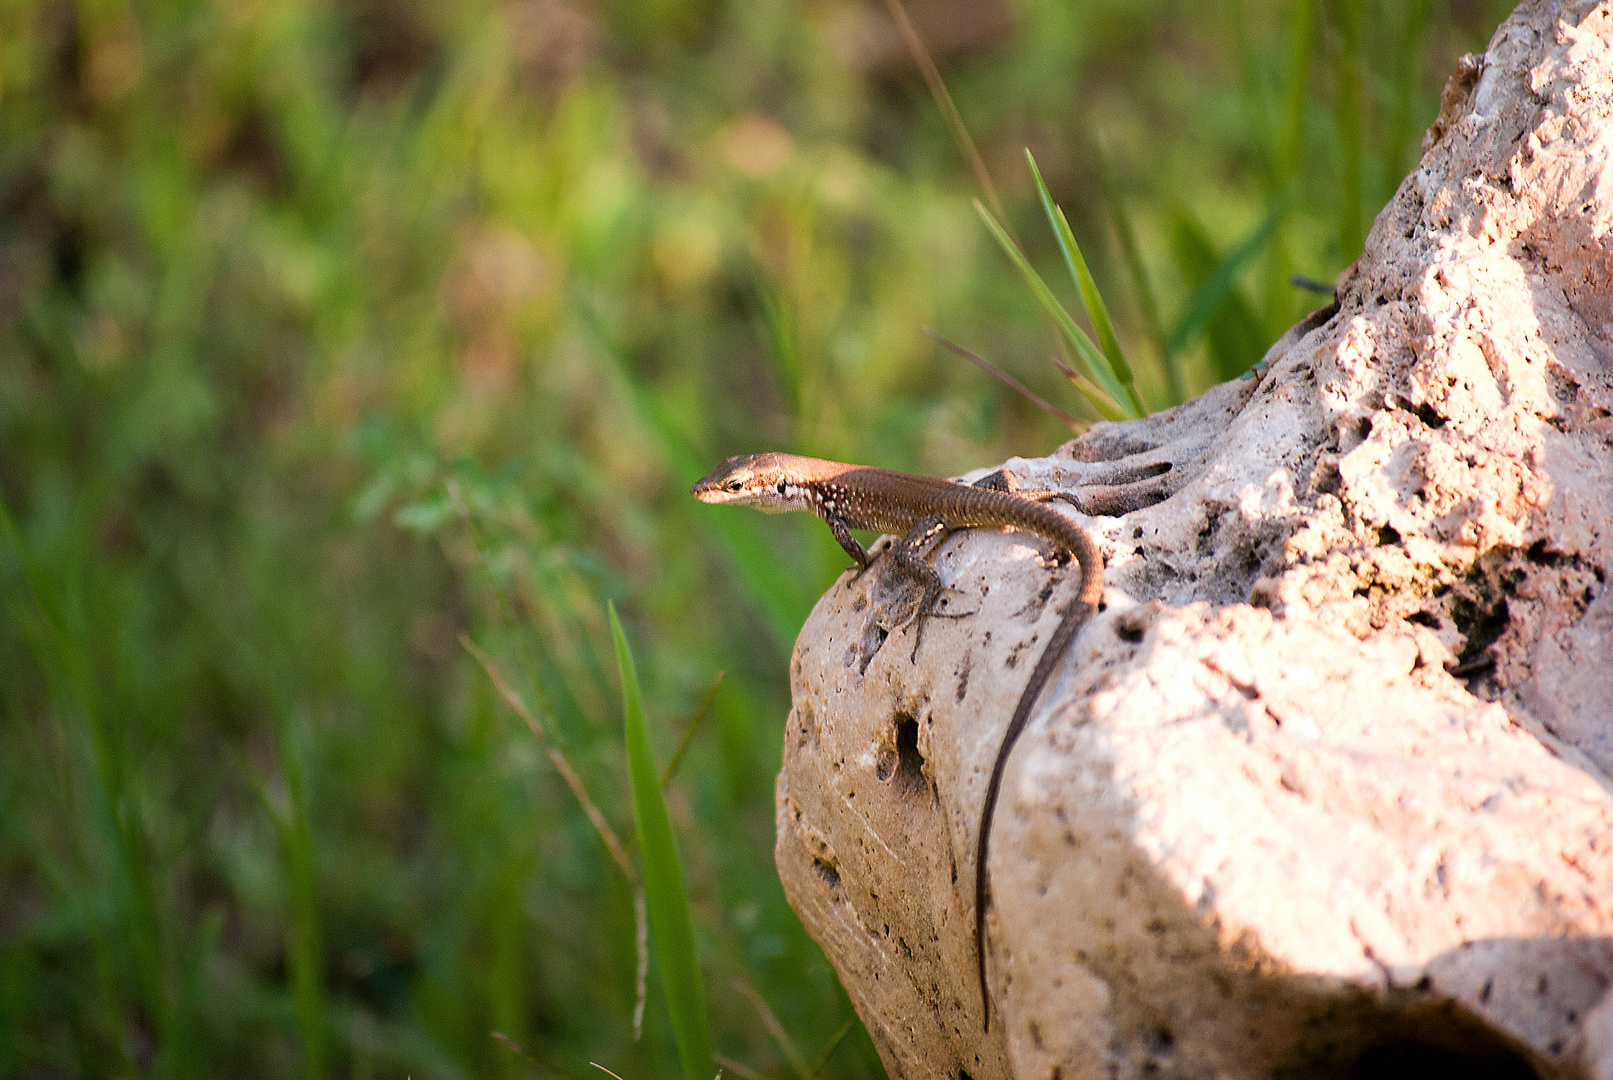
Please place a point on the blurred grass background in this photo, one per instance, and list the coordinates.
(333, 331)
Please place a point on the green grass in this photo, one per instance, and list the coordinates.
(665, 888)
(334, 336)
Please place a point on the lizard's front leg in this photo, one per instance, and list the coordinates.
(909, 555)
(842, 533)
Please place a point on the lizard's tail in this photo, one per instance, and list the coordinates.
(1075, 616)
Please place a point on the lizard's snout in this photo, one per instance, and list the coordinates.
(707, 490)
(723, 484)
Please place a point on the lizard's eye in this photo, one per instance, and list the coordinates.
(733, 485)
(781, 487)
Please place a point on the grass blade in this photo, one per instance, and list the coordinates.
(943, 101)
(607, 835)
(1296, 91)
(1278, 299)
(663, 880)
(1408, 48)
(613, 844)
(834, 1044)
(1076, 426)
(792, 1055)
(778, 329)
(689, 730)
(1349, 124)
(1094, 394)
(1131, 254)
(1218, 286)
(1097, 311)
(739, 1069)
(524, 1052)
(307, 945)
(1097, 366)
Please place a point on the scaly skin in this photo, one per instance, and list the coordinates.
(923, 509)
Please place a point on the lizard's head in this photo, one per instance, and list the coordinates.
(760, 480)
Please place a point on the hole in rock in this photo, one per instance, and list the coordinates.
(1428, 415)
(1541, 556)
(873, 639)
(909, 762)
(1481, 624)
(1419, 1061)
(1410, 1036)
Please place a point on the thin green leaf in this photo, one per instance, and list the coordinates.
(663, 880)
(1106, 406)
(778, 329)
(606, 834)
(1208, 298)
(307, 950)
(738, 1068)
(1091, 299)
(1089, 353)
(1286, 147)
(305, 938)
(1076, 426)
(689, 730)
(1401, 138)
(1131, 254)
(834, 1043)
(1296, 91)
(792, 1054)
(1348, 121)
(524, 1052)
(943, 100)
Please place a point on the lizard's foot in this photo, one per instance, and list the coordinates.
(922, 610)
(875, 550)
(918, 628)
(919, 610)
(1123, 487)
(1116, 468)
(1131, 486)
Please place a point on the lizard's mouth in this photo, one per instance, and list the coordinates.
(711, 491)
(731, 493)
(724, 484)
(715, 491)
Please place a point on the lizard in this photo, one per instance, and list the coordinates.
(923, 509)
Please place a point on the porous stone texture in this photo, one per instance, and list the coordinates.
(1325, 787)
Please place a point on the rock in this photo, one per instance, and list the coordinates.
(1325, 787)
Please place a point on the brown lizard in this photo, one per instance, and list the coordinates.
(923, 509)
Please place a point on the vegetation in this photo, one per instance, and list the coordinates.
(354, 353)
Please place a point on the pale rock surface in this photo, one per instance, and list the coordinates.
(1327, 781)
